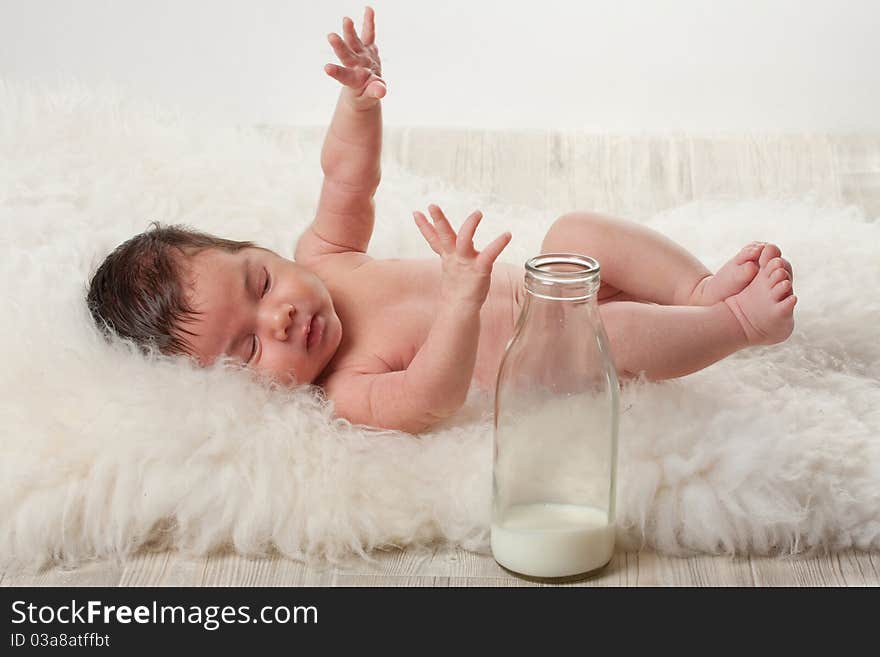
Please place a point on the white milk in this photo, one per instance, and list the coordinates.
(552, 540)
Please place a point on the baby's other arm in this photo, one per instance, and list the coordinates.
(436, 383)
(350, 157)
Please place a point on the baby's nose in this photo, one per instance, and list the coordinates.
(283, 319)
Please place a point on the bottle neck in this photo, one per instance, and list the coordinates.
(555, 317)
(566, 277)
(561, 300)
(559, 334)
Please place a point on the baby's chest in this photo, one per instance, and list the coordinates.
(394, 324)
(395, 318)
(401, 329)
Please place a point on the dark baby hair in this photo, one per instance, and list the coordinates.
(139, 293)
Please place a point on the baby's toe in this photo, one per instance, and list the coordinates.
(784, 308)
(778, 275)
(787, 265)
(770, 252)
(751, 251)
(776, 264)
(781, 290)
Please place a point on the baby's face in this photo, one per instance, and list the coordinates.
(257, 308)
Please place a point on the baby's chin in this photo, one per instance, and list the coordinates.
(291, 380)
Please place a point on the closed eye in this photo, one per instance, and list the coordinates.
(266, 286)
(253, 349)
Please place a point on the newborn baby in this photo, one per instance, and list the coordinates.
(397, 343)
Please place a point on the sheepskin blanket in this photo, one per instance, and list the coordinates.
(104, 451)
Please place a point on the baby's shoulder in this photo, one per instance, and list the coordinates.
(344, 274)
(335, 264)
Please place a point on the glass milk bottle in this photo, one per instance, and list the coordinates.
(556, 420)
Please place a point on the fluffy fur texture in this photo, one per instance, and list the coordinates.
(773, 450)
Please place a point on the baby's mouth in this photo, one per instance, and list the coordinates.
(315, 331)
(307, 329)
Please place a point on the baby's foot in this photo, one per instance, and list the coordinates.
(731, 279)
(736, 274)
(765, 308)
(772, 251)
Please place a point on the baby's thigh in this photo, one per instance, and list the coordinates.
(573, 233)
(516, 276)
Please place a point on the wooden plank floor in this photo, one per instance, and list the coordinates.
(456, 567)
(632, 177)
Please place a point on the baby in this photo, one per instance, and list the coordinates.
(397, 343)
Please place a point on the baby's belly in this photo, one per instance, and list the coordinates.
(497, 321)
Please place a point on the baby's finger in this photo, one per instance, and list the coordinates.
(346, 56)
(491, 252)
(350, 77)
(444, 229)
(351, 37)
(465, 244)
(428, 232)
(376, 88)
(369, 29)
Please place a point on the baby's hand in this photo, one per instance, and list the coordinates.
(467, 272)
(362, 73)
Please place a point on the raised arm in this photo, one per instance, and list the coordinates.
(436, 383)
(352, 148)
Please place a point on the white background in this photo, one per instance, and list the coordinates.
(636, 66)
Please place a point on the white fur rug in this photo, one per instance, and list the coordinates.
(772, 450)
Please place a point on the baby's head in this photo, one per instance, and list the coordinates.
(185, 292)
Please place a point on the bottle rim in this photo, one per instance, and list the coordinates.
(587, 268)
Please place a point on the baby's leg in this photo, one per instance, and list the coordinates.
(646, 265)
(669, 341)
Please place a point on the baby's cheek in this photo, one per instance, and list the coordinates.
(278, 375)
